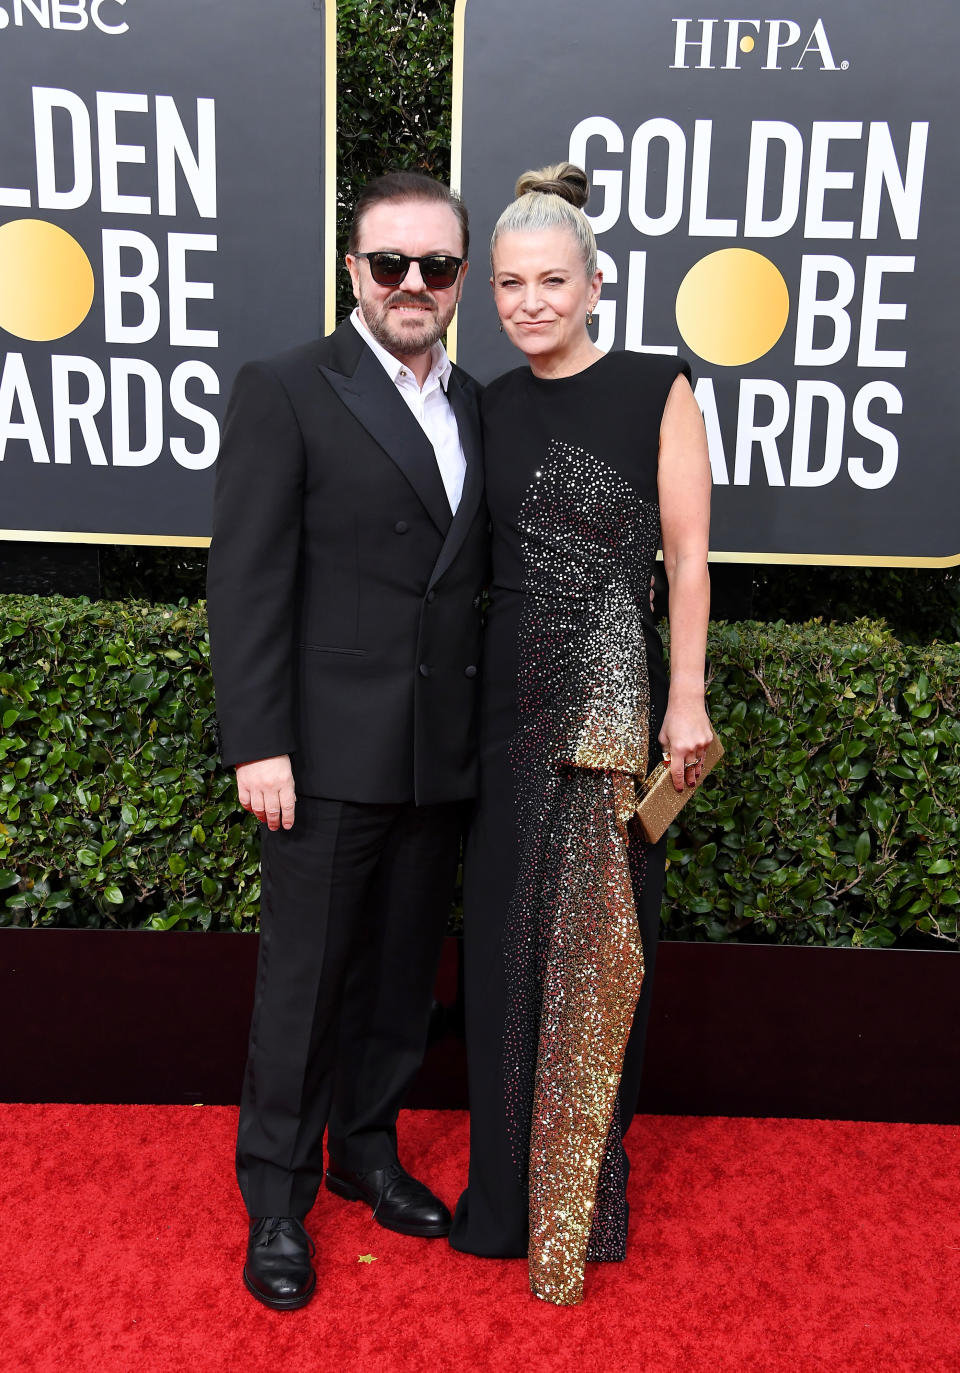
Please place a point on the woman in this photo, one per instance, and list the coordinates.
(588, 455)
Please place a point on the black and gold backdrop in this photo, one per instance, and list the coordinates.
(775, 197)
(163, 190)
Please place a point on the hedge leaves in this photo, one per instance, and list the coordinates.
(835, 817)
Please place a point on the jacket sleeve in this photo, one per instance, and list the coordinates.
(252, 569)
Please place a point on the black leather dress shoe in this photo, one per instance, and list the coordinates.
(278, 1270)
(399, 1201)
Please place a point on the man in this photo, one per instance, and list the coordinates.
(349, 550)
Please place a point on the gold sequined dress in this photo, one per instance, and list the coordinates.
(561, 895)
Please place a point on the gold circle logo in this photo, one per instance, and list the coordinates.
(732, 306)
(747, 44)
(46, 281)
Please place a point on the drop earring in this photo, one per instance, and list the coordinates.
(589, 318)
(501, 328)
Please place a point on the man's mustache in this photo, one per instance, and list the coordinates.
(405, 298)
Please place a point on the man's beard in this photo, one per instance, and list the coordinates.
(422, 332)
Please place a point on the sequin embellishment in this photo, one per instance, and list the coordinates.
(574, 958)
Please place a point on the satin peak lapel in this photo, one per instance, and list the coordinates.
(373, 399)
(465, 409)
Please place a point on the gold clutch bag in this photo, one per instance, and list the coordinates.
(661, 802)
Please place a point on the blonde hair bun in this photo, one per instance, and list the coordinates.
(562, 179)
(552, 198)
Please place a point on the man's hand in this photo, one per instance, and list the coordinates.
(266, 788)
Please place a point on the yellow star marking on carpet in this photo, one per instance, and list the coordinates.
(366, 1258)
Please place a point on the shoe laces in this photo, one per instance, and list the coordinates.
(390, 1175)
(286, 1225)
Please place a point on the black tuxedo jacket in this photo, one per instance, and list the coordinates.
(343, 597)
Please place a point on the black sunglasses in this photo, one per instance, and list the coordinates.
(437, 270)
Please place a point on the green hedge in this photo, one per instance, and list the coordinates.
(113, 809)
(394, 81)
(834, 818)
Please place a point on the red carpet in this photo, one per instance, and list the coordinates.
(755, 1244)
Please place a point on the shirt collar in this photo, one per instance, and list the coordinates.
(440, 364)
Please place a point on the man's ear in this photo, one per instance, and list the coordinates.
(353, 267)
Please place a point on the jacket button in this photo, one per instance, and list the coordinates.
(431, 596)
(470, 671)
(424, 670)
(400, 527)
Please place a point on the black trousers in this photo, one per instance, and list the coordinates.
(353, 908)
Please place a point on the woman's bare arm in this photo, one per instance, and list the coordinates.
(684, 486)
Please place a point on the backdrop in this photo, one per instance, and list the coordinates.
(163, 191)
(775, 198)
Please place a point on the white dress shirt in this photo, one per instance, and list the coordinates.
(429, 406)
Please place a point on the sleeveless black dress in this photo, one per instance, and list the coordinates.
(561, 894)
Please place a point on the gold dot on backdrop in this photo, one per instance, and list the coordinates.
(747, 44)
(732, 306)
(46, 281)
